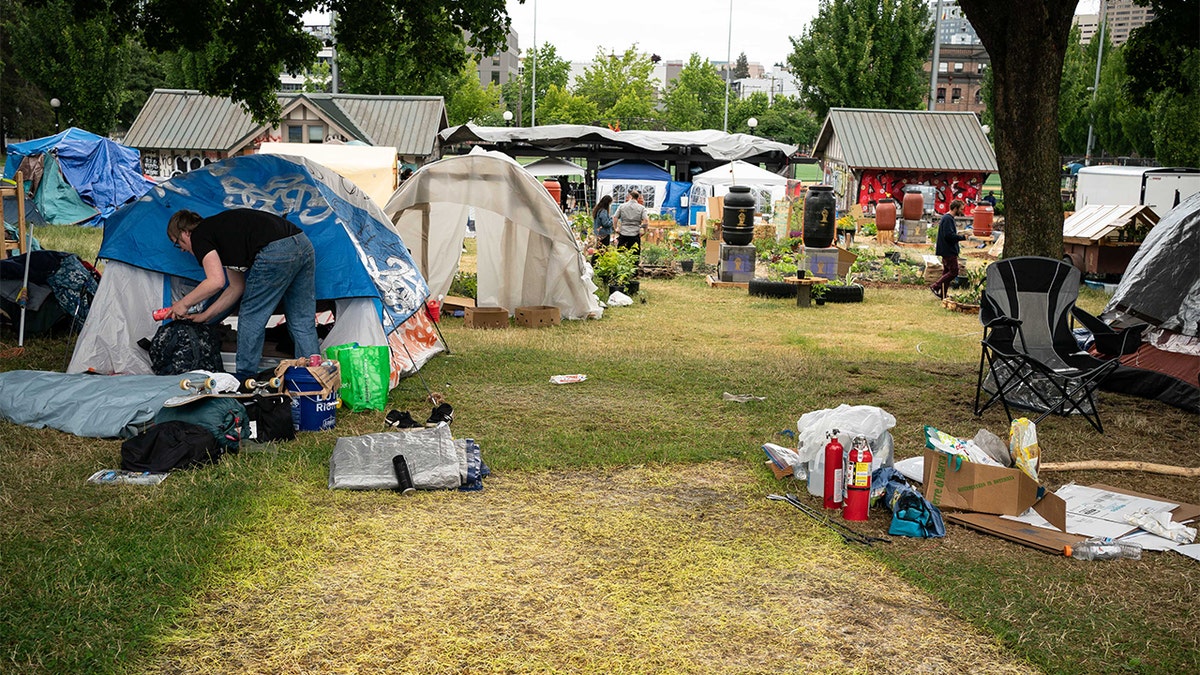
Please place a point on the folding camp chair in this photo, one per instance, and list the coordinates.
(1029, 357)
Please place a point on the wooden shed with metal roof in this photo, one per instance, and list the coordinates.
(180, 130)
(870, 155)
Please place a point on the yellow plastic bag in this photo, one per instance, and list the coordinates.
(1023, 444)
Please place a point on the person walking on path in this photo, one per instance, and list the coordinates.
(947, 247)
(602, 222)
(631, 222)
(266, 259)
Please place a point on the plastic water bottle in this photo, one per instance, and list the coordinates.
(1104, 549)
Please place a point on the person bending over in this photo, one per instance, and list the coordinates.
(265, 259)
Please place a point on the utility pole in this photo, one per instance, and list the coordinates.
(728, 54)
(1087, 155)
(933, 64)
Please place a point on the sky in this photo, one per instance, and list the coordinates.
(673, 29)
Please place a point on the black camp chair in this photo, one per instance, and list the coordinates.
(1030, 358)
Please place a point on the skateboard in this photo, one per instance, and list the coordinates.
(201, 388)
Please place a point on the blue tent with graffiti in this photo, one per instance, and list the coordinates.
(77, 177)
(375, 293)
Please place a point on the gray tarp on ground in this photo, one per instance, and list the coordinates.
(706, 143)
(96, 406)
(365, 462)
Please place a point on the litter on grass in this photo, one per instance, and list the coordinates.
(122, 477)
(567, 379)
(742, 398)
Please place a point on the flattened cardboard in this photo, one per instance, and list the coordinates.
(982, 488)
(1048, 540)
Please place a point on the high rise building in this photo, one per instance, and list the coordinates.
(962, 60)
(500, 67)
(1121, 18)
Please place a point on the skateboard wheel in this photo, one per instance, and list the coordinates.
(275, 383)
(185, 384)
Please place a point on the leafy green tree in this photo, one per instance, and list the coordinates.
(864, 54)
(788, 121)
(1162, 59)
(399, 70)
(318, 78)
(1027, 41)
(621, 88)
(559, 106)
(146, 73)
(552, 71)
(468, 101)
(695, 99)
(81, 61)
(1074, 99)
(741, 67)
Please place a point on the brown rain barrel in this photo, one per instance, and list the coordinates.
(981, 226)
(885, 215)
(914, 205)
(555, 190)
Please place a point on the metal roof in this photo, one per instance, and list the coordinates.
(1095, 222)
(188, 120)
(908, 139)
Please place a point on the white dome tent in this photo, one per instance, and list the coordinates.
(527, 253)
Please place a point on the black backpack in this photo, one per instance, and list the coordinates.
(180, 346)
(169, 446)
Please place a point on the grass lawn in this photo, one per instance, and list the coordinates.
(625, 527)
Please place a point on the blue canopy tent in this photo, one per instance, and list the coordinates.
(85, 177)
(361, 263)
(618, 178)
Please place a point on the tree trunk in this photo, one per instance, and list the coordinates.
(1027, 41)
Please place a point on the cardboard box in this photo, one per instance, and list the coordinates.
(457, 302)
(537, 316)
(485, 317)
(712, 251)
(982, 488)
(716, 208)
(829, 263)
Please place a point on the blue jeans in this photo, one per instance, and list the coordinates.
(284, 270)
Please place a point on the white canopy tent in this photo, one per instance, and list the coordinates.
(372, 169)
(527, 251)
(553, 166)
(716, 182)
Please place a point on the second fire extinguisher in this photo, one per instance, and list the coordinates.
(858, 480)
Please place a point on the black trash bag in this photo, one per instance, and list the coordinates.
(170, 446)
(182, 346)
(272, 418)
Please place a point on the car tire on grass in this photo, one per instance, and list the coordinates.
(772, 289)
(851, 293)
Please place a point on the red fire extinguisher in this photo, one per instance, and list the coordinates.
(858, 480)
(834, 483)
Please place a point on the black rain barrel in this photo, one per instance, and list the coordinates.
(820, 216)
(737, 221)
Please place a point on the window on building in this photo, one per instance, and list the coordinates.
(496, 61)
(958, 67)
(495, 77)
(295, 133)
(979, 67)
(316, 133)
(955, 95)
(941, 95)
(943, 67)
(978, 96)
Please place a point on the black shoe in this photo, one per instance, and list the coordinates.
(936, 293)
(401, 419)
(442, 413)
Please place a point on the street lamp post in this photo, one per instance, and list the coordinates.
(54, 103)
(753, 124)
(508, 117)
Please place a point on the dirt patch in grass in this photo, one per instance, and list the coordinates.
(682, 569)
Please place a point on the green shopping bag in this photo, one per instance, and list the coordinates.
(366, 372)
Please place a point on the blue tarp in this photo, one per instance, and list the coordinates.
(358, 255)
(96, 406)
(106, 174)
(633, 170)
(671, 202)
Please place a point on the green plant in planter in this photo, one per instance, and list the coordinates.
(654, 254)
(778, 271)
(870, 229)
(818, 292)
(615, 266)
(582, 224)
(976, 284)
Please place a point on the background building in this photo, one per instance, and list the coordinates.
(1122, 17)
(500, 67)
(962, 61)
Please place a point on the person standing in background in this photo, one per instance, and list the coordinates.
(631, 221)
(947, 247)
(602, 222)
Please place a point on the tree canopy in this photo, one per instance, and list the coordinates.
(552, 71)
(621, 87)
(864, 54)
(696, 98)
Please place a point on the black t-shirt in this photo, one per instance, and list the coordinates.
(238, 235)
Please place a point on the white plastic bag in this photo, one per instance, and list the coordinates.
(850, 421)
(619, 299)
